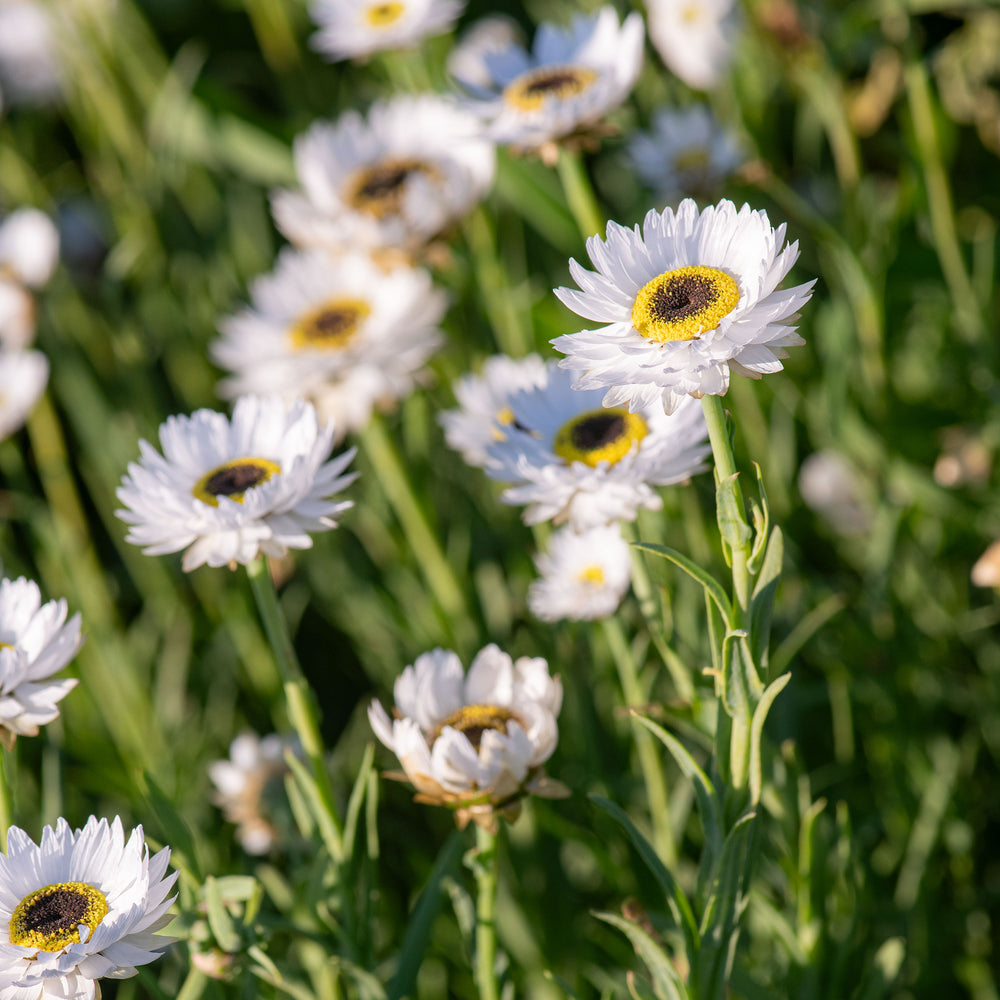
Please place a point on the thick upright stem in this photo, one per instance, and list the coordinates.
(580, 195)
(486, 868)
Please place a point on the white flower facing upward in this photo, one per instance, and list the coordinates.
(353, 28)
(685, 301)
(583, 576)
(483, 410)
(686, 152)
(36, 641)
(23, 377)
(395, 178)
(80, 906)
(571, 459)
(694, 38)
(343, 333)
(29, 251)
(243, 783)
(475, 743)
(571, 78)
(227, 490)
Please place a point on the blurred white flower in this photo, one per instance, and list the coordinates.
(986, 571)
(244, 784)
(352, 28)
(687, 152)
(833, 488)
(483, 411)
(395, 178)
(570, 80)
(23, 377)
(227, 490)
(583, 575)
(485, 37)
(29, 251)
(341, 332)
(685, 301)
(29, 62)
(78, 907)
(474, 743)
(694, 38)
(577, 461)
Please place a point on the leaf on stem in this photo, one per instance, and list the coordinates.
(667, 983)
(355, 802)
(757, 733)
(762, 601)
(713, 588)
(760, 515)
(314, 800)
(733, 527)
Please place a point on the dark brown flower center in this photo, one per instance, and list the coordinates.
(233, 479)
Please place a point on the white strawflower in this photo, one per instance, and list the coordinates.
(23, 377)
(342, 333)
(474, 743)
(569, 81)
(353, 28)
(694, 38)
(80, 906)
(685, 301)
(583, 575)
(395, 178)
(483, 410)
(229, 490)
(244, 784)
(686, 152)
(36, 641)
(30, 71)
(571, 459)
(485, 37)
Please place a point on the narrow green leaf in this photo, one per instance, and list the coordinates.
(356, 800)
(883, 971)
(757, 733)
(313, 799)
(733, 527)
(175, 829)
(762, 601)
(219, 919)
(667, 983)
(735, 694)
(713, 588)
(369, 987)
(237, 887)
(760, 514)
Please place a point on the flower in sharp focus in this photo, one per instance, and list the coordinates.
(29, 250)
(393, 179)
(483, 410)
(246, 782)
(23, 377)
(80, 906)
(685, 301)
(568, 82)
(475, 743)
(229, 490)
(353, 28)
(36, 641)
(694, 38)
(686, 152)
(583, 575)
(342, 333)
(571, 459)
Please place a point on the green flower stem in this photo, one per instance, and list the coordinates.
(302, 711)
(486, 868)
(580, 195)
(649, 758)
(6, 810)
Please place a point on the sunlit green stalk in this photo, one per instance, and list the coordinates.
(302, 711)
(580, 195)
(6, 811)
(486, 869)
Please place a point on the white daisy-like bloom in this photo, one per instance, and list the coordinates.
(569, 458)
(686, 152)
(29, 251)
(80, 906)
(694, 38)
(395, 178)
(30, 71)
(23, 377)
(343, 333)
(243, 782)
(36, 641)
(483, 411)
(571, 78)
(227, 490)
(584, 575)
(686, 300)
(488, 35)
(353, 28)
(477, 742)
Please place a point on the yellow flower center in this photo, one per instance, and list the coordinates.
(691, 13)
(681, 304)
(332, 326)
(6, 645)
(49, 918)
(233, 479)
(530, 90)
(378, 189)
(693, 160)
(381, 15)
(591, 574)
(474, 720)
(502, 418)
(604, 435)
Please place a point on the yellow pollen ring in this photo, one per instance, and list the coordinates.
(603, 435)
(474, 720)
(233, 479)
(530, 90)
(591, 574)
(381, 15)
(49, 918)
(331, 326)
(681, 304)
